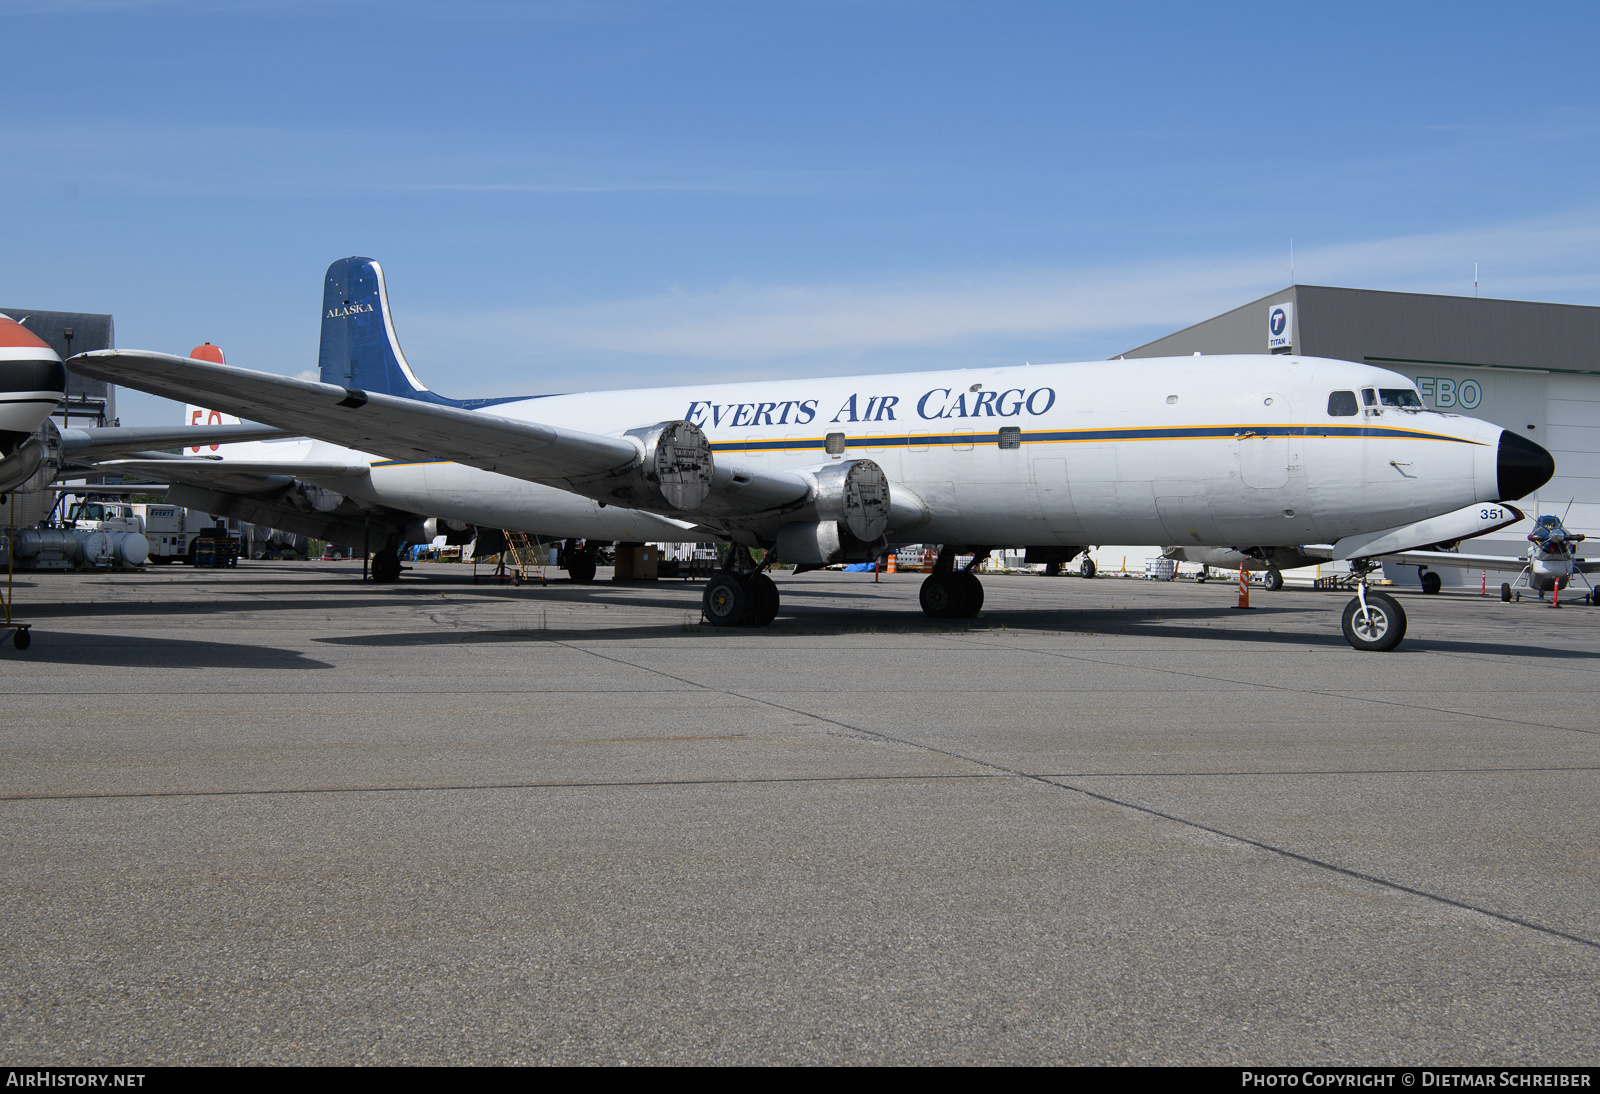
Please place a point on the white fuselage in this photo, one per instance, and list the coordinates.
(1226, 451)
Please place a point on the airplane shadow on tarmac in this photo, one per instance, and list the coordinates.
(52, 647)
(1130, 623)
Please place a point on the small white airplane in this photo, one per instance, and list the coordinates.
(1251, 453)
(1548, 565)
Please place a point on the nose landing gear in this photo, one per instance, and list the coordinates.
(1373, 621)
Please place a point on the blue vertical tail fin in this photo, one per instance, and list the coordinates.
(359, 348)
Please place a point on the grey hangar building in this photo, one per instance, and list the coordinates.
(1525, 366)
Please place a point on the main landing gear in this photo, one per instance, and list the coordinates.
(578, 561)
(386, 565)
(741, 595)
(949, 593)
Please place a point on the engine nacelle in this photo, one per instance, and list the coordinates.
(851, 503)
(422, 531)
(34, 463)
(675, 467)
(320, 498)
(856, 494)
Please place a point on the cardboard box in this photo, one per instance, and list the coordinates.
(636, 563)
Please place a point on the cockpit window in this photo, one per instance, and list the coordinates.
(1401, 396)
(1369, 396)
(1342, 404)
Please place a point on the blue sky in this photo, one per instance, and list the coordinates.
(569, 196)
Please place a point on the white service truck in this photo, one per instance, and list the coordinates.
(172, 530)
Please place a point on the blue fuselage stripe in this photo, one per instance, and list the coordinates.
(1062, 436)
(1079, 436)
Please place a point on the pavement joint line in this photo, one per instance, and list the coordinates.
(431, 787)
(96, 795)
(1345, 870)
(1262, 845)
(1301, 691)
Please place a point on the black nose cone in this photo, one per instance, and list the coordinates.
(1523, 466)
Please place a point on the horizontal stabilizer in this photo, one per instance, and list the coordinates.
(107, 440)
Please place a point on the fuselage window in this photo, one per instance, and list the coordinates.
(1342, 404)
(1401, 396)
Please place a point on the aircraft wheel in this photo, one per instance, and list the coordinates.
(1273, 581)
(726, 601)
(385, 567)
(1505, 591)
(1432, 583)
(1052, 569)
(1086, 567)
(764, 600)
(22, 639)
(580, 568)
(942, 595)
(971, 594)
(1380, 628)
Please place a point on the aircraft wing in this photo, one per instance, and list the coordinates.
(1512, 563)
(1451, 558)
(92, 443)
(309, 470)
(606, 468)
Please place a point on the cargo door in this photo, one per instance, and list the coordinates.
(1055, 496)
(1264, 442)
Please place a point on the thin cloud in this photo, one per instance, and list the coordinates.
(753, 323)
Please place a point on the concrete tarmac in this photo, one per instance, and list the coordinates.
(273, 815)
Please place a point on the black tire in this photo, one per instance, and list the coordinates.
(726, 601)
(942, 596)
(1505, 592)
(385, 567)
(22, 639)
(971, 594)
(1432, 583)
(1383, 627)
(581, 567)
(1087, 567)
(1273, 581)
(1052, 569)
(764, 600)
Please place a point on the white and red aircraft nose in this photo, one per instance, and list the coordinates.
(33, 382)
